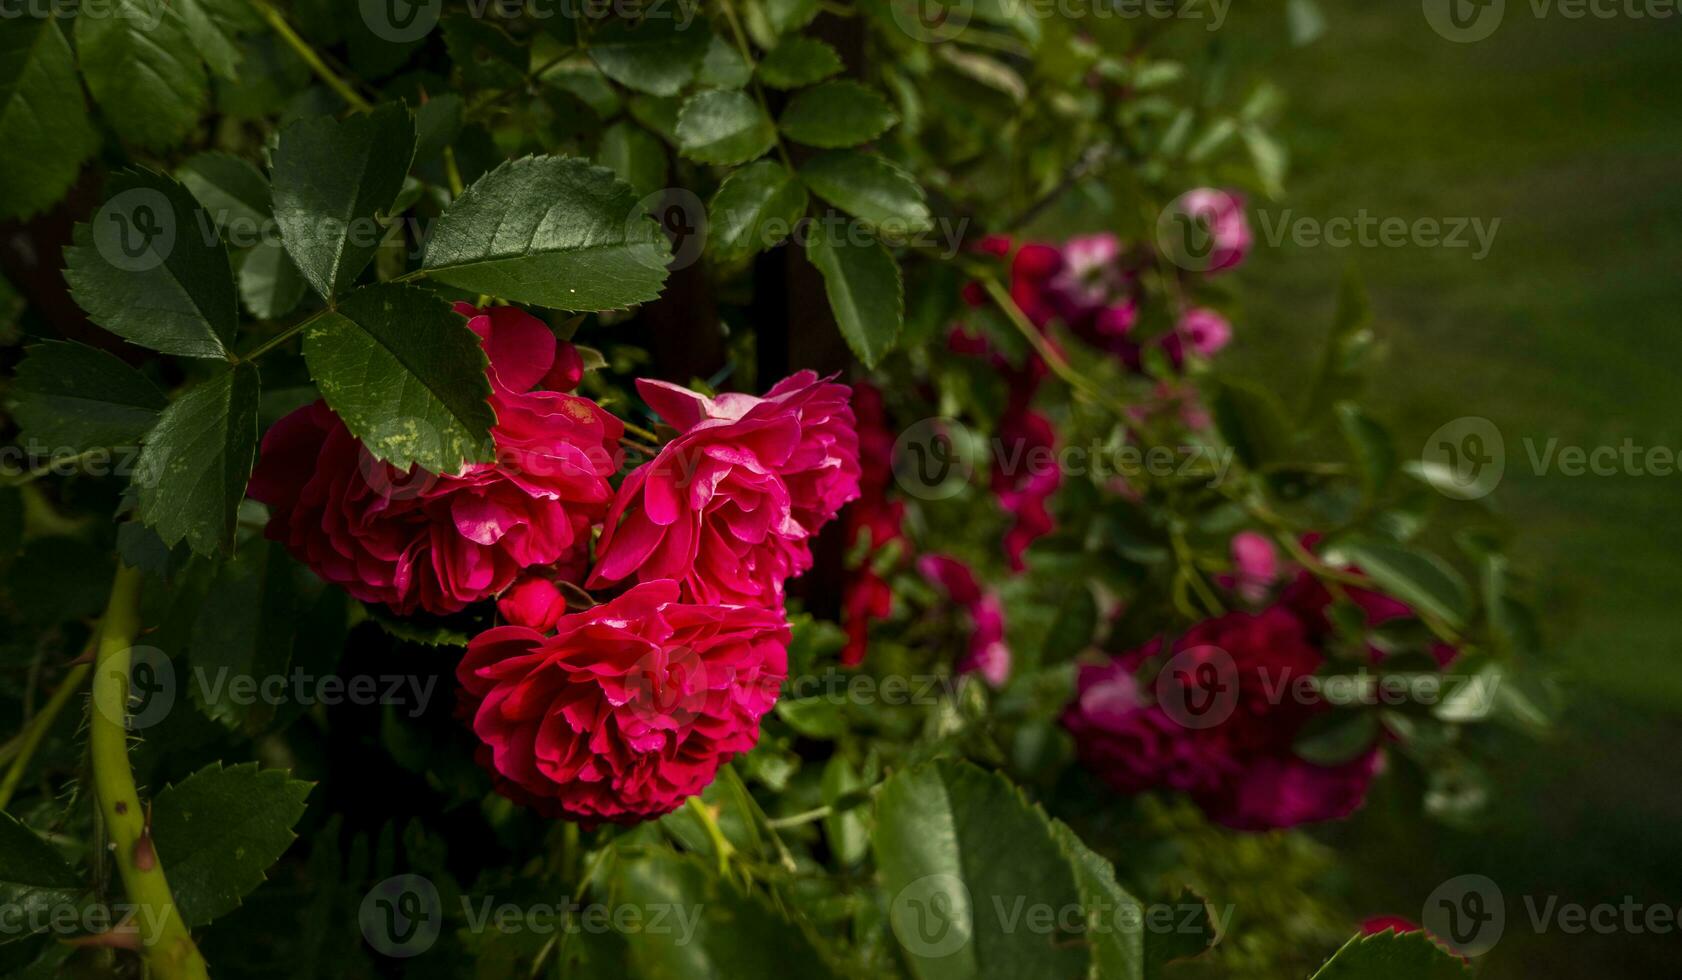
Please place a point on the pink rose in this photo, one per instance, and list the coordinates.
(1256, 564)
(1205, 330)
(439, 542)
(1221, 215)
(629, 708)
(987, 653)
(727, 506)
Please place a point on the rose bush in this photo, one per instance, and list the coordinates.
(448, 349)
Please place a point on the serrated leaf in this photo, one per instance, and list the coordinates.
(145, 269)
(636, 155)
(723, 66)
(798, 61)
(552, 231)
(235, 193)
(218, 831)
(141, 65)
(75, 396)
(870, 187)
(1393, 956)
(243, 635)
(195, 462)
(756, 207)
(957, 909)
(214, 27)
(724, 127)
(45, 134)
(864, 288)
(34, 879)
(406, 375)
(735, 934)
(330, 180)
(836, 114)
(270, 284)
(656, 55)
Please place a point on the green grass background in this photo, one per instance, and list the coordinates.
(1570, 132)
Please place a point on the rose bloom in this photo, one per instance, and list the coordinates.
(629, 708)
(419, 540)
(1222, 215)
(727, 506)
(987, 653)
(1241, 770)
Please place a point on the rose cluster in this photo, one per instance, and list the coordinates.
(1220, 717)
(621, 710)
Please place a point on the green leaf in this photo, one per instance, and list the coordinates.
(1163, 947)
(636, 155)
(243, 635)
(1305, 20)
(1374, 450)
(148, 269)
(755, 208)
(214, 27)
(798, 61)
(437, 124)
(45, 134)
(712, 929)
(218, 831)
(864, 288)
(143, 69)
(1416, 577)
(74, 396)
(269, 283)
(721, 126)
(868, 186)
(656, 55)
(1337, 737)
(195, 462)
(849, 839)
(1347, 348)
(957, 907)
(234, 192)
(406, 375)
(723, 66)
(552, 231)
(836, 114)
(331, 179)
(814, 717)
(34, 879)
(1251, 420)
(1116, 952)
(485, 54)
(1393, 956)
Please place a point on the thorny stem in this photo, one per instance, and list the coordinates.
(166, 946)
(38, 728)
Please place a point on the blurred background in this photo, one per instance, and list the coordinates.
(1570, 132)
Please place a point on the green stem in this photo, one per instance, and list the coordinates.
(45, 469)
(804, 817)
(285, 335)
(277, 21)
(721, 847)
(167, 947)
(758, 89)
(38, 728)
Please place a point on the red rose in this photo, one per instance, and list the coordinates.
(629, 708)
